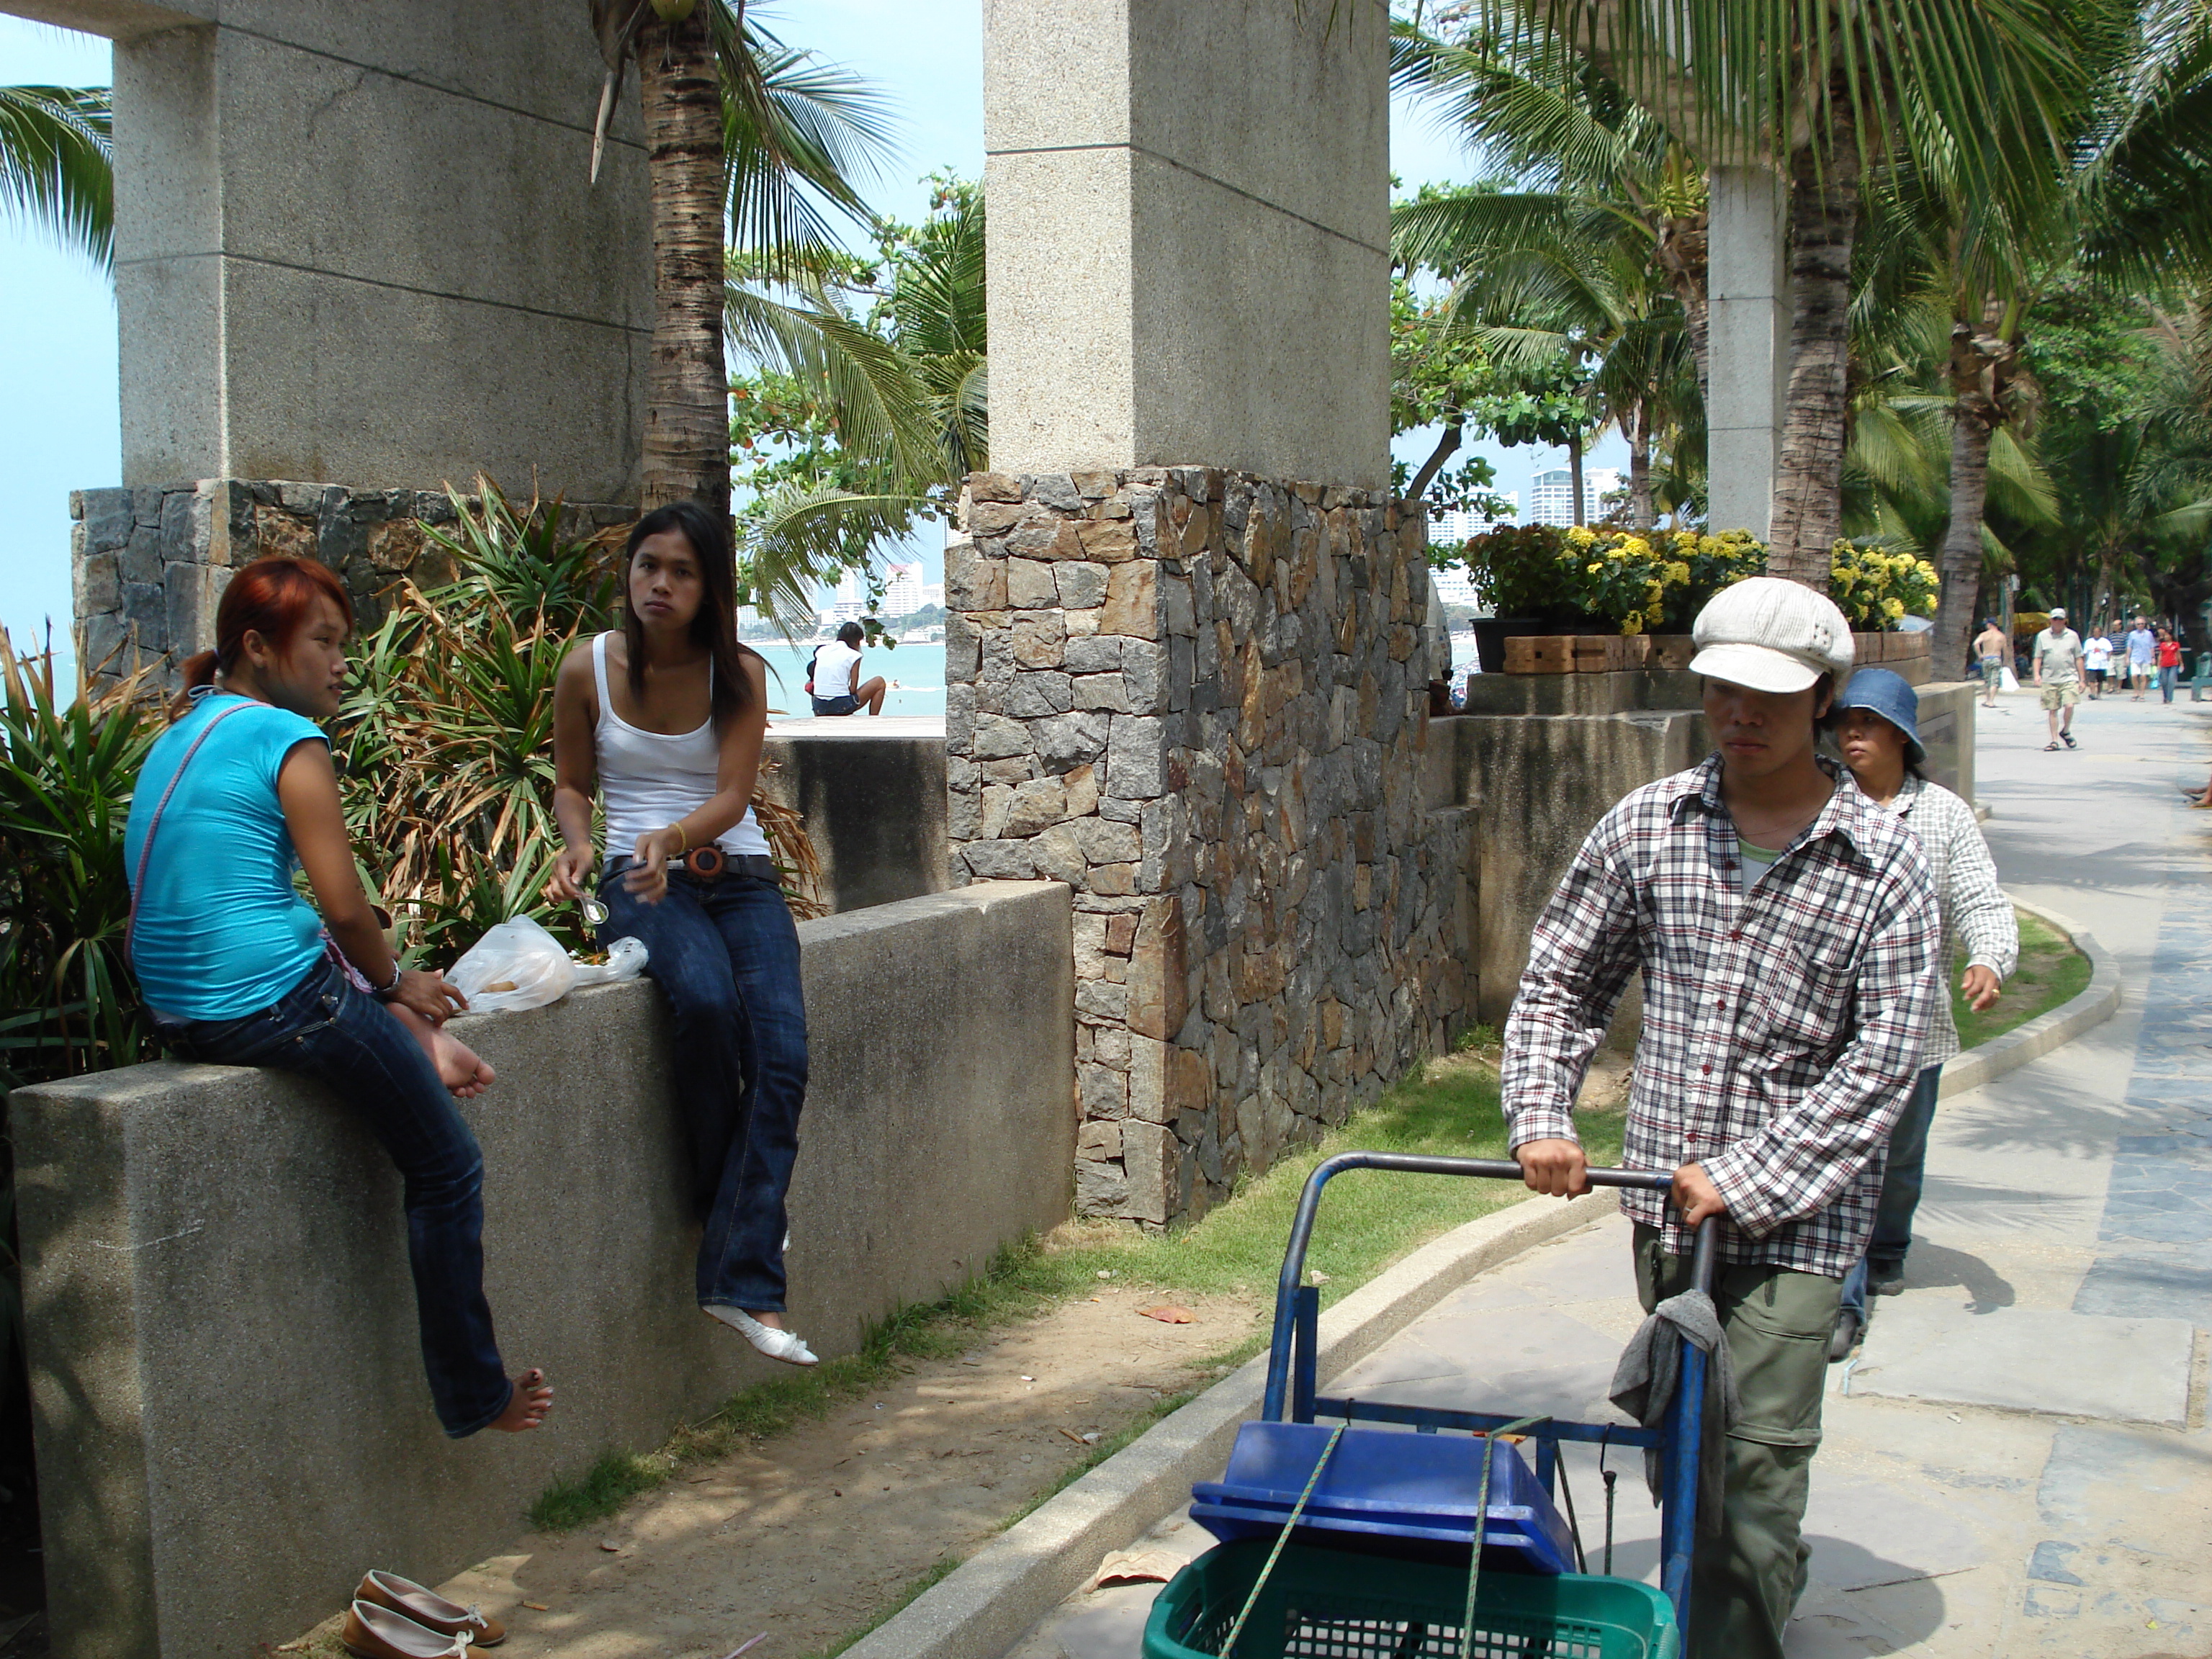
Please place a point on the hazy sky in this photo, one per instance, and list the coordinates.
(58, 422)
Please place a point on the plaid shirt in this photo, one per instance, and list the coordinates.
(1976, 912)
(1782, 1028)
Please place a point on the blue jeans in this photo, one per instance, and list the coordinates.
(726, 954)
(2166, 677)
(325, 1029)
(1900, 1190)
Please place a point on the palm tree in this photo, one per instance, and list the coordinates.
(1971, 93)
(901, 386)
(735, 125)
(57, 168)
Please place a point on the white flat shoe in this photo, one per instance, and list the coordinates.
(786, 1345)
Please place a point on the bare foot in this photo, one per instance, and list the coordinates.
(458, 1067)
(533, 1400)
(773, 1320)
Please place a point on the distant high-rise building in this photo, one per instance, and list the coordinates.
(903, 592)
(1551, 496)
(1457, 524)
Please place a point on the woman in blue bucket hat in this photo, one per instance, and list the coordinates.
(1875, 723)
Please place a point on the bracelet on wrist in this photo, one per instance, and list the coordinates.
(682, 839)
(397, 972)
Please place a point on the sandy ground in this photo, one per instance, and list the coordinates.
(810, 1534)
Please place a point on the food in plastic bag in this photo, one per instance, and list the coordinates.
(625, 960)
(518, 964)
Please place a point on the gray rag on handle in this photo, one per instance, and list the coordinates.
(1651, 1365)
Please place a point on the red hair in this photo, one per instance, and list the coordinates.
(272, 598)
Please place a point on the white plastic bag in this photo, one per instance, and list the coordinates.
(625, 960)
(518, 964)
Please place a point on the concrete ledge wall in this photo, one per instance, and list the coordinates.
(874, 807)
(231, 1415)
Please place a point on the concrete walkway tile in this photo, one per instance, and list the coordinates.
(1406, 1360)
(1867, 1533)
(2172, 1283)
(2031, 1359)
(1593, 1265)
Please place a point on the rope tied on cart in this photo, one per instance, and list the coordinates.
(1228, 1642)
(1651, 1369)
(1482, 1526)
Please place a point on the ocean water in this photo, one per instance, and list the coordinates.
(915, 672)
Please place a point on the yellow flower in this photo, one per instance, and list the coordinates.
(1928, 605)
(1596, 568)
(1633, 622)
(1893, 609)
(1582, 535)
(1678, 572)
(1617, 552)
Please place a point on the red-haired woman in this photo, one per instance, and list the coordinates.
(236, 971)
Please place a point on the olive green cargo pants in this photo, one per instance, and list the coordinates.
(1745, 1582)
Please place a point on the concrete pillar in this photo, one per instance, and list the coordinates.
(1189, 211)
(355, 245)
(1748, 290)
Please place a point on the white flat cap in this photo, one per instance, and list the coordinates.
(1772, 635)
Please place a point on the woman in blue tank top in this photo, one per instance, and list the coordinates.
(668, 716)
(236, 971)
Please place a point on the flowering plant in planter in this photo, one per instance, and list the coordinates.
(1611, 578)
(1877, 589)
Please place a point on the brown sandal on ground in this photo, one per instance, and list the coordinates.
(429, 1609)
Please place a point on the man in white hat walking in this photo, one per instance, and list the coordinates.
(1786, 931)
(2058, 671)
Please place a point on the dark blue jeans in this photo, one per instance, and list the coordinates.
(325, 1028)
(726, 954)
(1900, 1190)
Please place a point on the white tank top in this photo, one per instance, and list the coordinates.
(651, 779)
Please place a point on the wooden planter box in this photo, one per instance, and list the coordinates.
(1614, 653)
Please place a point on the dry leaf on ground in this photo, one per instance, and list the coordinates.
(1170, 1315)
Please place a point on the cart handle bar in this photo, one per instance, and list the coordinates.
(1703, 1260)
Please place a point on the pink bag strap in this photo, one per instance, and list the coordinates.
(146, 847)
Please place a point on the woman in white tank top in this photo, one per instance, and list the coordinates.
(667, 718)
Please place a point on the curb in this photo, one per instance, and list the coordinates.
(2096, 1003)
(993, 1599)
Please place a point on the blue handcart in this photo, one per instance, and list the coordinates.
(1351, 1569)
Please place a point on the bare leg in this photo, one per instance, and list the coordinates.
(531, 1401)
(871, 694)
(458, 1068)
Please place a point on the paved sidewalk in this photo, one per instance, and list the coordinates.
(2017, 1462)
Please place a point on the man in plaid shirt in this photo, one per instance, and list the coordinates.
(1786, 930)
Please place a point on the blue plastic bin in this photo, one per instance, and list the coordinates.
(1380, 1485)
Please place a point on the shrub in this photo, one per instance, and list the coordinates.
(1640, 584)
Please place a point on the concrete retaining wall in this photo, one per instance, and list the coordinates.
(232, 1419)
(874, 805)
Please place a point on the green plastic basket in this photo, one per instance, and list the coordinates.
(1333, 1604)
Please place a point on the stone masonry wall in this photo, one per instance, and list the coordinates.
(149, 565)
(1196, 698)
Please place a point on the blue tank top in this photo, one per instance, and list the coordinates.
(221, 933)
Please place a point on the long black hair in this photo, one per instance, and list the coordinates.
(715, 624)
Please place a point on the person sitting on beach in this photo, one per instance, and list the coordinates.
(235, 969)
(838, 688)
(668, 714)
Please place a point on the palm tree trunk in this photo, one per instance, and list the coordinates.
(1961, 560)
(687, 422)
(1808, 480)
(1640, 513)
(1575, 477)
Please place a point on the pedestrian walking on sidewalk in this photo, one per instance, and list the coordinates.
(2097, 662)
(1785, 928)
(1875, 723)
(2143, 650)
(2169, 663)
(2058, 653)
(1991, 647)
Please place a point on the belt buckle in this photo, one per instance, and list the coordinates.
(707, 863)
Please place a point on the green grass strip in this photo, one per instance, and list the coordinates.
(2051, 972)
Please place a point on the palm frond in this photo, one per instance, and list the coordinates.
(56, 166)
